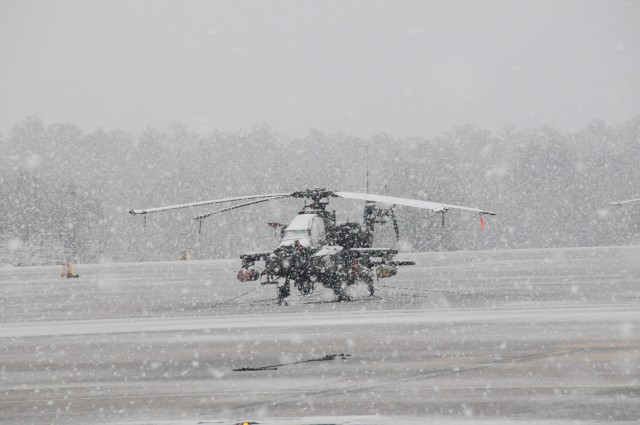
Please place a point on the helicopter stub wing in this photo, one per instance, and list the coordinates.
(256, 256)
(619, 203)
(374, 252)
(416, 203)
(214, 201)
(380, 254)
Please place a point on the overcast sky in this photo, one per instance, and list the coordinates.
(360, 67)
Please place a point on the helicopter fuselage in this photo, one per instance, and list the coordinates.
(315, 250)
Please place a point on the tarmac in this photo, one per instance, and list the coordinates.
(517, 336)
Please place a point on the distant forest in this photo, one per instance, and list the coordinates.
(65, 193)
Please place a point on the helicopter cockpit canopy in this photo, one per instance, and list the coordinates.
(308, 229)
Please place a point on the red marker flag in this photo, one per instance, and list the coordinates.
(481, 222)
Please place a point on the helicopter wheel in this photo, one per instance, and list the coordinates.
(306, 287)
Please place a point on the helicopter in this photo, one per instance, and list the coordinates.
(314, 249)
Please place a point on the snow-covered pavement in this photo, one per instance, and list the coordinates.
(514, 336)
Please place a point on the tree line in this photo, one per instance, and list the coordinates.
(65, 192)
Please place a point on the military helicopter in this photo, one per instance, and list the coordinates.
(315, 249)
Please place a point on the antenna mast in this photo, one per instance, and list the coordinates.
(367, 168)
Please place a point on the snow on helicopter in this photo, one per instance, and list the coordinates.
(314, 249)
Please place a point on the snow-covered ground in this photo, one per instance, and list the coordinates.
(549, 335)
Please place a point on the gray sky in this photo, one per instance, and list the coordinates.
(360, 67)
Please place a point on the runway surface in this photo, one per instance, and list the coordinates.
(549, 335)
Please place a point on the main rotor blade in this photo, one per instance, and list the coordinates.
(619, 203)
(215, 201)
(416, 203)
(203, 216)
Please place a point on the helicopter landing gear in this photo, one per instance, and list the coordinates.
(371, 288)
(283, 292)
(340, 292)
(368, 279)
(305, 287)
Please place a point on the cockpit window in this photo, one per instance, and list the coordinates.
(295, 234)
(307, 228)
